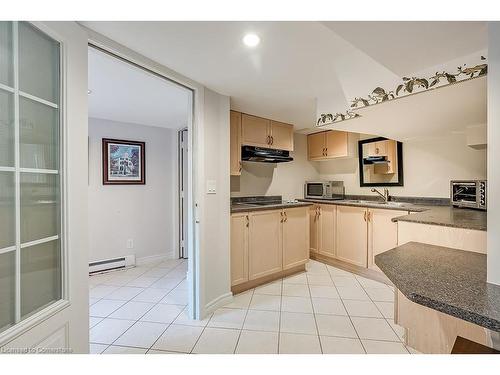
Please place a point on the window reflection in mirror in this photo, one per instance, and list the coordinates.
(380, 162)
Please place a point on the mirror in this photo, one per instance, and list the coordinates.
(380, 162)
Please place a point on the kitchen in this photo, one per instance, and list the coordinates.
(374, 207)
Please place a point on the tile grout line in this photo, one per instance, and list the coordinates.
(243, 324)
(372, 301)
(314, 313)
(348, 315)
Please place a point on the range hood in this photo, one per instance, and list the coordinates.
(375, 160)
(264, 155)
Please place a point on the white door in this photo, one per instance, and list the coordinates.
(43, 187)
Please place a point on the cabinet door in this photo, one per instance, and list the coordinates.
(255, 131)
(336, 144)
(295, 237)
(382, 233)
(235, 143)
(316, 144)
(313, 229)
(239, 248)
(281, 136)
(391, 153)
(265, 243)
(352, 241)
(327, 229)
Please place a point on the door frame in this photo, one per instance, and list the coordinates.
(106, 45)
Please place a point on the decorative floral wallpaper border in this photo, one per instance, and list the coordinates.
(407, 87)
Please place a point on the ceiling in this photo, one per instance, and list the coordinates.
(124, 93)
(297, 62)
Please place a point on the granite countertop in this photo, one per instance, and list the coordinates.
(425, 213)
(444, 279)
(448, 216)
(249, 207)
(262, 203)
(399, 206)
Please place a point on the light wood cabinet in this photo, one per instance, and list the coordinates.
(316, 146)
(281, 136)
(382, 233)
(295, 237)
(239, 248)
(351, 235)
(314, 229)
(255, 131)
(331, 144)
(261, 132)
(326, 229)
(235, 143)
(265, 243)
(378, 148)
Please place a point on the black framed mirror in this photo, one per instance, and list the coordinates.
(380, 162)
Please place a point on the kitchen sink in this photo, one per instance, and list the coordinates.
(392, 204)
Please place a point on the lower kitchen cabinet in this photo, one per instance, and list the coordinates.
(382, 233)
(326, 229)
(322, 229)
(265, 243)
(295, 237)
(239, 248)
(351, 233)
(268, 242)
(313, 229)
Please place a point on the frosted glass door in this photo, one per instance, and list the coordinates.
(30, 179)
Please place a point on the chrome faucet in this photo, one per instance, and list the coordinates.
(384, 196)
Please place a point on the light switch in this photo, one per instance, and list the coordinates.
(211, 187)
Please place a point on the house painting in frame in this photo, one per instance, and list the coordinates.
(123, 162)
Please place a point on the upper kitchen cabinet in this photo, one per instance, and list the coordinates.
(331, 144)
(281, 136)
(261, 132)
(235, 143)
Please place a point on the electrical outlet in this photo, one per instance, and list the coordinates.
(130, 244)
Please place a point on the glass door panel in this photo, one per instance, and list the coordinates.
(6, 54)
(7, 289)
(7, 157)
(39, 135)
(38, 64)
(40, 213)
(30, 182)
(7, 210)
(40, 276)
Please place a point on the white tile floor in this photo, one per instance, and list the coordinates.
(324, 310)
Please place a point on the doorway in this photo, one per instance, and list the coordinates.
(152, 287)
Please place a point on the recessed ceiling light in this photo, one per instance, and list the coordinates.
(251, 40)
(89, 92)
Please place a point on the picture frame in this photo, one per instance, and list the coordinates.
(123, 162)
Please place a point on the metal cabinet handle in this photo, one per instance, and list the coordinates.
(240, 166)
(364, 216)
(369, 216)
(248, 221)
(268, 139)
(326, 151)
(286, 217)
(281, 214)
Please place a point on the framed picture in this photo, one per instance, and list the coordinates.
(123, 162)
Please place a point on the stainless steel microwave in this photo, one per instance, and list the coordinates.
(469, 193)
(324, 190)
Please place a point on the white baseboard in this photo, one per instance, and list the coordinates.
(153, 258)
(218, 302)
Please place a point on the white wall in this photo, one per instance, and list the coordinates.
(286, 179)
(143, 213)
(214, 213)
(428, 166)
(493, 153)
